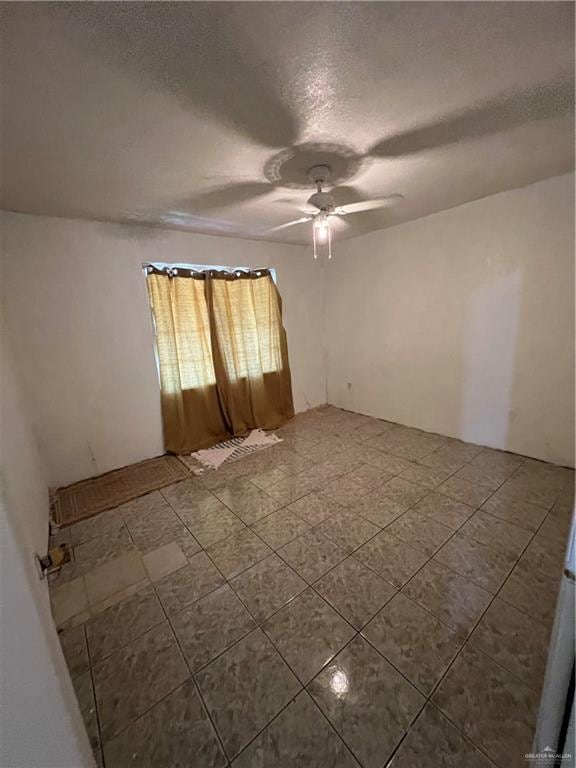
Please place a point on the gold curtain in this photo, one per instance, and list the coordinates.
(222, 355)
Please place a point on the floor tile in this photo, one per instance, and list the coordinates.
(420, 532)
(451, 457)
(416, 643)
(114, 576)
(462, 490)
(311, 555)
(425, 476)
(378, 509)
(268, 478)
(99, 525)
(214, 479)
(403, 491)
(394, 465)
(369, 430)
(164, 560)
(503, 537)
(308, 633)
(489, 705)
(556, 528)
(122, 623)
(531, 591)
(291, 489)
(160, 527)
(348, 530)
(134, 678)
(355, 591)
(451, 598)
(394, 560)
(515, 641)
(515, 511)
(346, 462)
(378, 471)
(245, 688)
(211, 625)
(367, 701)
(406, 443)
(369, 477)
(144, 505)
(280, 527)
(299, 736)
(68, 572)
(433, 742)
(75, 649)
(267, 586)
(247, 501)
(68, 600)
(344, 491)
(314, 507)
(187, 495)
(545, 555)
(118, 597)
(168, 735)
(238, 552)
(188, 584)
(212, 524)
(483, 565)
(491, 457)
(322, 474)
(444, 509)
(491, 468)
(101, 549)
(85, 694)
(530, 489)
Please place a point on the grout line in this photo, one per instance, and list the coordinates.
(316, 490)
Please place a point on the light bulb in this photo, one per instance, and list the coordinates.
(321, 226)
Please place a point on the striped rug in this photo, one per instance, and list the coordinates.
(81, 500)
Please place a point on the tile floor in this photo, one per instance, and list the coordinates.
(361, 594)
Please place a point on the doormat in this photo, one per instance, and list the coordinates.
(235, 448)
(89, 497)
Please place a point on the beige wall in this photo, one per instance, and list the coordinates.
(462, 323)
(40, 724)
(76, 306)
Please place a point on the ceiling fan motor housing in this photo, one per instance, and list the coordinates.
(322, 200)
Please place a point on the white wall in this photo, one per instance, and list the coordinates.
(462, 323)
(40, 723)
(76, 304)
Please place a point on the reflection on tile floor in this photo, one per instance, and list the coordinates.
(358, 594)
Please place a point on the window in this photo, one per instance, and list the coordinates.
(221, 351)
(245, 318)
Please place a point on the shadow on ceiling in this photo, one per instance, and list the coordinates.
(175, 52)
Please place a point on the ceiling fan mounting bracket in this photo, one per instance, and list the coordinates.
(319, 174)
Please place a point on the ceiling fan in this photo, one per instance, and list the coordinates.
(326, 208)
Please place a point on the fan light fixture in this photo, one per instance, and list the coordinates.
(321, 233)
(323, 207)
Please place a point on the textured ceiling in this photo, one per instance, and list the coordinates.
(206, 115)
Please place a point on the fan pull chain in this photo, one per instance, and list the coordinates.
(314, 239)
(329, 242)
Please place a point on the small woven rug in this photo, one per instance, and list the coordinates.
(81, 500)
(235, 448)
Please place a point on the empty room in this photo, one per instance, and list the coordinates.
(287, 384)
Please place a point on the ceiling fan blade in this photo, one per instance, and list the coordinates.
(368, 205)
(288, 224)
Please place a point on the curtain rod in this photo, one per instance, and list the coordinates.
(218, 274)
